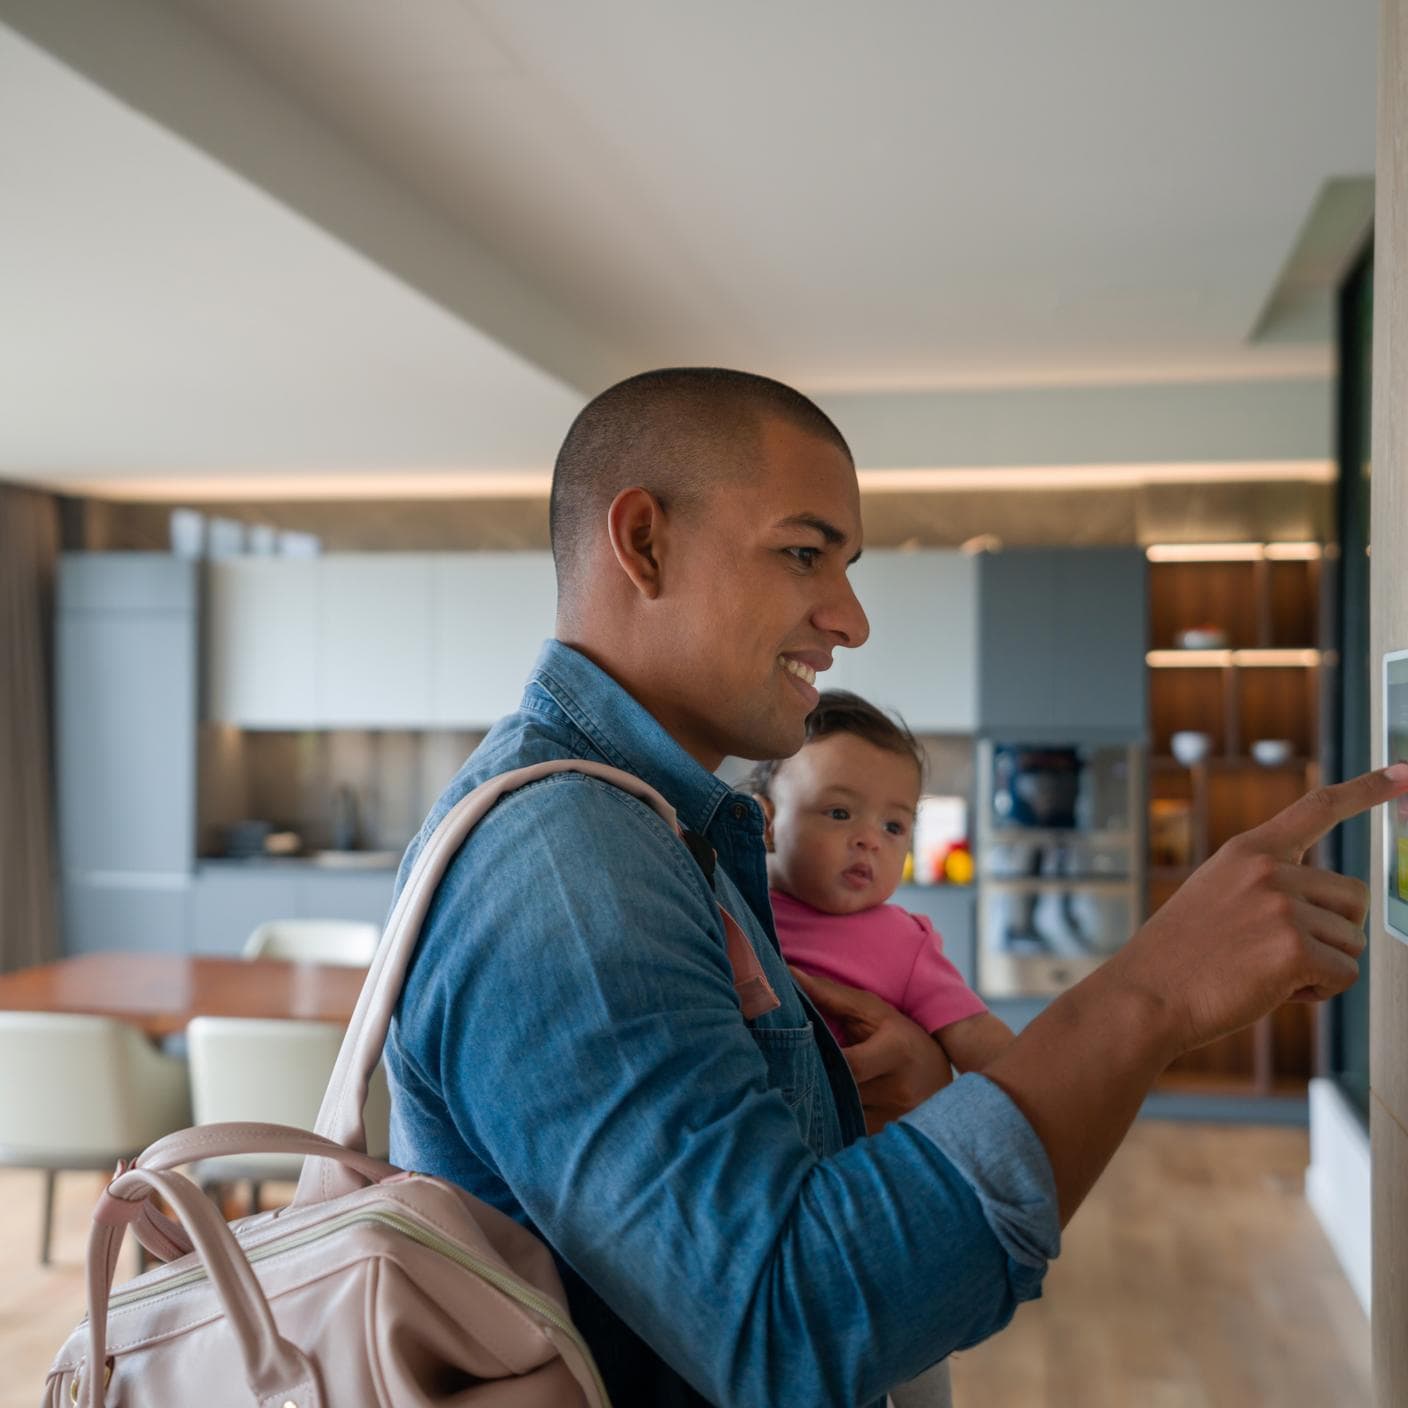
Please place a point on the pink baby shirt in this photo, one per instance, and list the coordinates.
(886, 950)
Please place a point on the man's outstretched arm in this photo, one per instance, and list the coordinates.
(1251, 929)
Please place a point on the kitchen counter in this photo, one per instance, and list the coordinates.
(327, 863)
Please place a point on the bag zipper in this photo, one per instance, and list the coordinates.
(515, 1290)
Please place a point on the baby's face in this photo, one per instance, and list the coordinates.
(841, 814)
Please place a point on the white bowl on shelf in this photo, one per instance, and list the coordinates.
(1201, 638)
(1190, 747)
(1272, 752)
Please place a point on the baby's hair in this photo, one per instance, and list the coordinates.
(840, 711)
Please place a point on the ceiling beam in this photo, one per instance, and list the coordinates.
(161, 60)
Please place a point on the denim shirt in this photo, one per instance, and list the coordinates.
(569, 1048)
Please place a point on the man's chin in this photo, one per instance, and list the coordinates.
(778, 738)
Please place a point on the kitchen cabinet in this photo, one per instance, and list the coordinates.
(491, 612)
(921, 657)
(1063, 634)
(125, 719)
(374, 640)
(232, 898)
(111, 912)
(261, 633)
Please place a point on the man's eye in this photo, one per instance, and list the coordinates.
(806, 557)
(838, 814)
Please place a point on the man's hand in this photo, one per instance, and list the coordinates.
(1253, 927)
(895, 1062)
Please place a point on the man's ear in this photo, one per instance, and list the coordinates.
(766, 804)
(637, 524)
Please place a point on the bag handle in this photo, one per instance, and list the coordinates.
(340, 1117)
(276, 1371)
(164, 1237)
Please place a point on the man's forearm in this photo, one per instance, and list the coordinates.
(1079, 1073)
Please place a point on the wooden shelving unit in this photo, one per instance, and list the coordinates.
(1265, 683)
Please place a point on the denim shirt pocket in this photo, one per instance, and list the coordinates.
(790, 1053)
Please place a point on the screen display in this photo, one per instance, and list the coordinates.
(1396, 818)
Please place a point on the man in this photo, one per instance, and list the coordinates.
(569, 1045)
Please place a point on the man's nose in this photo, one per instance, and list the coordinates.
(843, 616)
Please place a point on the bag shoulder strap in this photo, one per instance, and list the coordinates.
(340, 1117)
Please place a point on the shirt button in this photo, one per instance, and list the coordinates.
(739, 811)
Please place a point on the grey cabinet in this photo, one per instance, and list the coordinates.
(491, 612)
(232, 898)
(921, 657)
(374, 640)
(374, 633)
(261, 641)
(125, 674)
(1062, 637)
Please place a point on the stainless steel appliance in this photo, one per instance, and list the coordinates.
(1059, 860)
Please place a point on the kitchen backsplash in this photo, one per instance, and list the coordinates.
(293, 781)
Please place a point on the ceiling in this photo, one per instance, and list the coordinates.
(337, 236)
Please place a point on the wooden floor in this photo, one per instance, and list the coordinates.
(1194, 1277)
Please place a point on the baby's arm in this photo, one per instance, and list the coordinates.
(972, 1042)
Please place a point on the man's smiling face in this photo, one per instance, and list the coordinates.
(760, 599)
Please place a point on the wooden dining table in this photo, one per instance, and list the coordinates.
(161, 992)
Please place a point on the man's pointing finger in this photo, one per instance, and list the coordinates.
(1293, 831)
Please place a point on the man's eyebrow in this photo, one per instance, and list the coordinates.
(831, 535)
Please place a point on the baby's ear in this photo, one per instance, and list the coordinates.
(765, 803)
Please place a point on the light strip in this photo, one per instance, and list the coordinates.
(1094, 476)
(1233, 552)
(266, 485)
(1212, 659)
(1294, 552)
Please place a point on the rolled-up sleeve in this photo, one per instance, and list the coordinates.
(590, 1049)
(991, 1145)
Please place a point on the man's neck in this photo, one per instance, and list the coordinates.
(635, 681)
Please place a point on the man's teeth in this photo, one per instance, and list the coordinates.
(805, 673)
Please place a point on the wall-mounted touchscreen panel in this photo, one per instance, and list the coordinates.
(1396, 813)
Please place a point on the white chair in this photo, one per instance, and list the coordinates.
(80, 1093)
(272, 1072)
(349, 942)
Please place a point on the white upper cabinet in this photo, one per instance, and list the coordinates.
(261, 641)
(374, 633)
(374, 640)
(492, 611)
(922, 655)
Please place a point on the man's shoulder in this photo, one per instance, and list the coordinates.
(594, 818)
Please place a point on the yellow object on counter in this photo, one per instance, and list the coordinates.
(907, 874)
(958, 867)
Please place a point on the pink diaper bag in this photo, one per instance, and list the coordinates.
(374, 1286)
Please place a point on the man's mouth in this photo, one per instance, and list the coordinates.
(804, 672)
(802, 678)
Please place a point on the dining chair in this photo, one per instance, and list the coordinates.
(272, 1071)
(350, 942)
(82, 1092)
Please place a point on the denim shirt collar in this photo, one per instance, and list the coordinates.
(629, 737)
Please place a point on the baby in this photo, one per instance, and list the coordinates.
(840, 814)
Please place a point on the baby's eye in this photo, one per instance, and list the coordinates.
(805, 557)
(838, 814)
(895, 828)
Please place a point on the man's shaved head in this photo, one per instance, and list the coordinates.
(679, 433)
